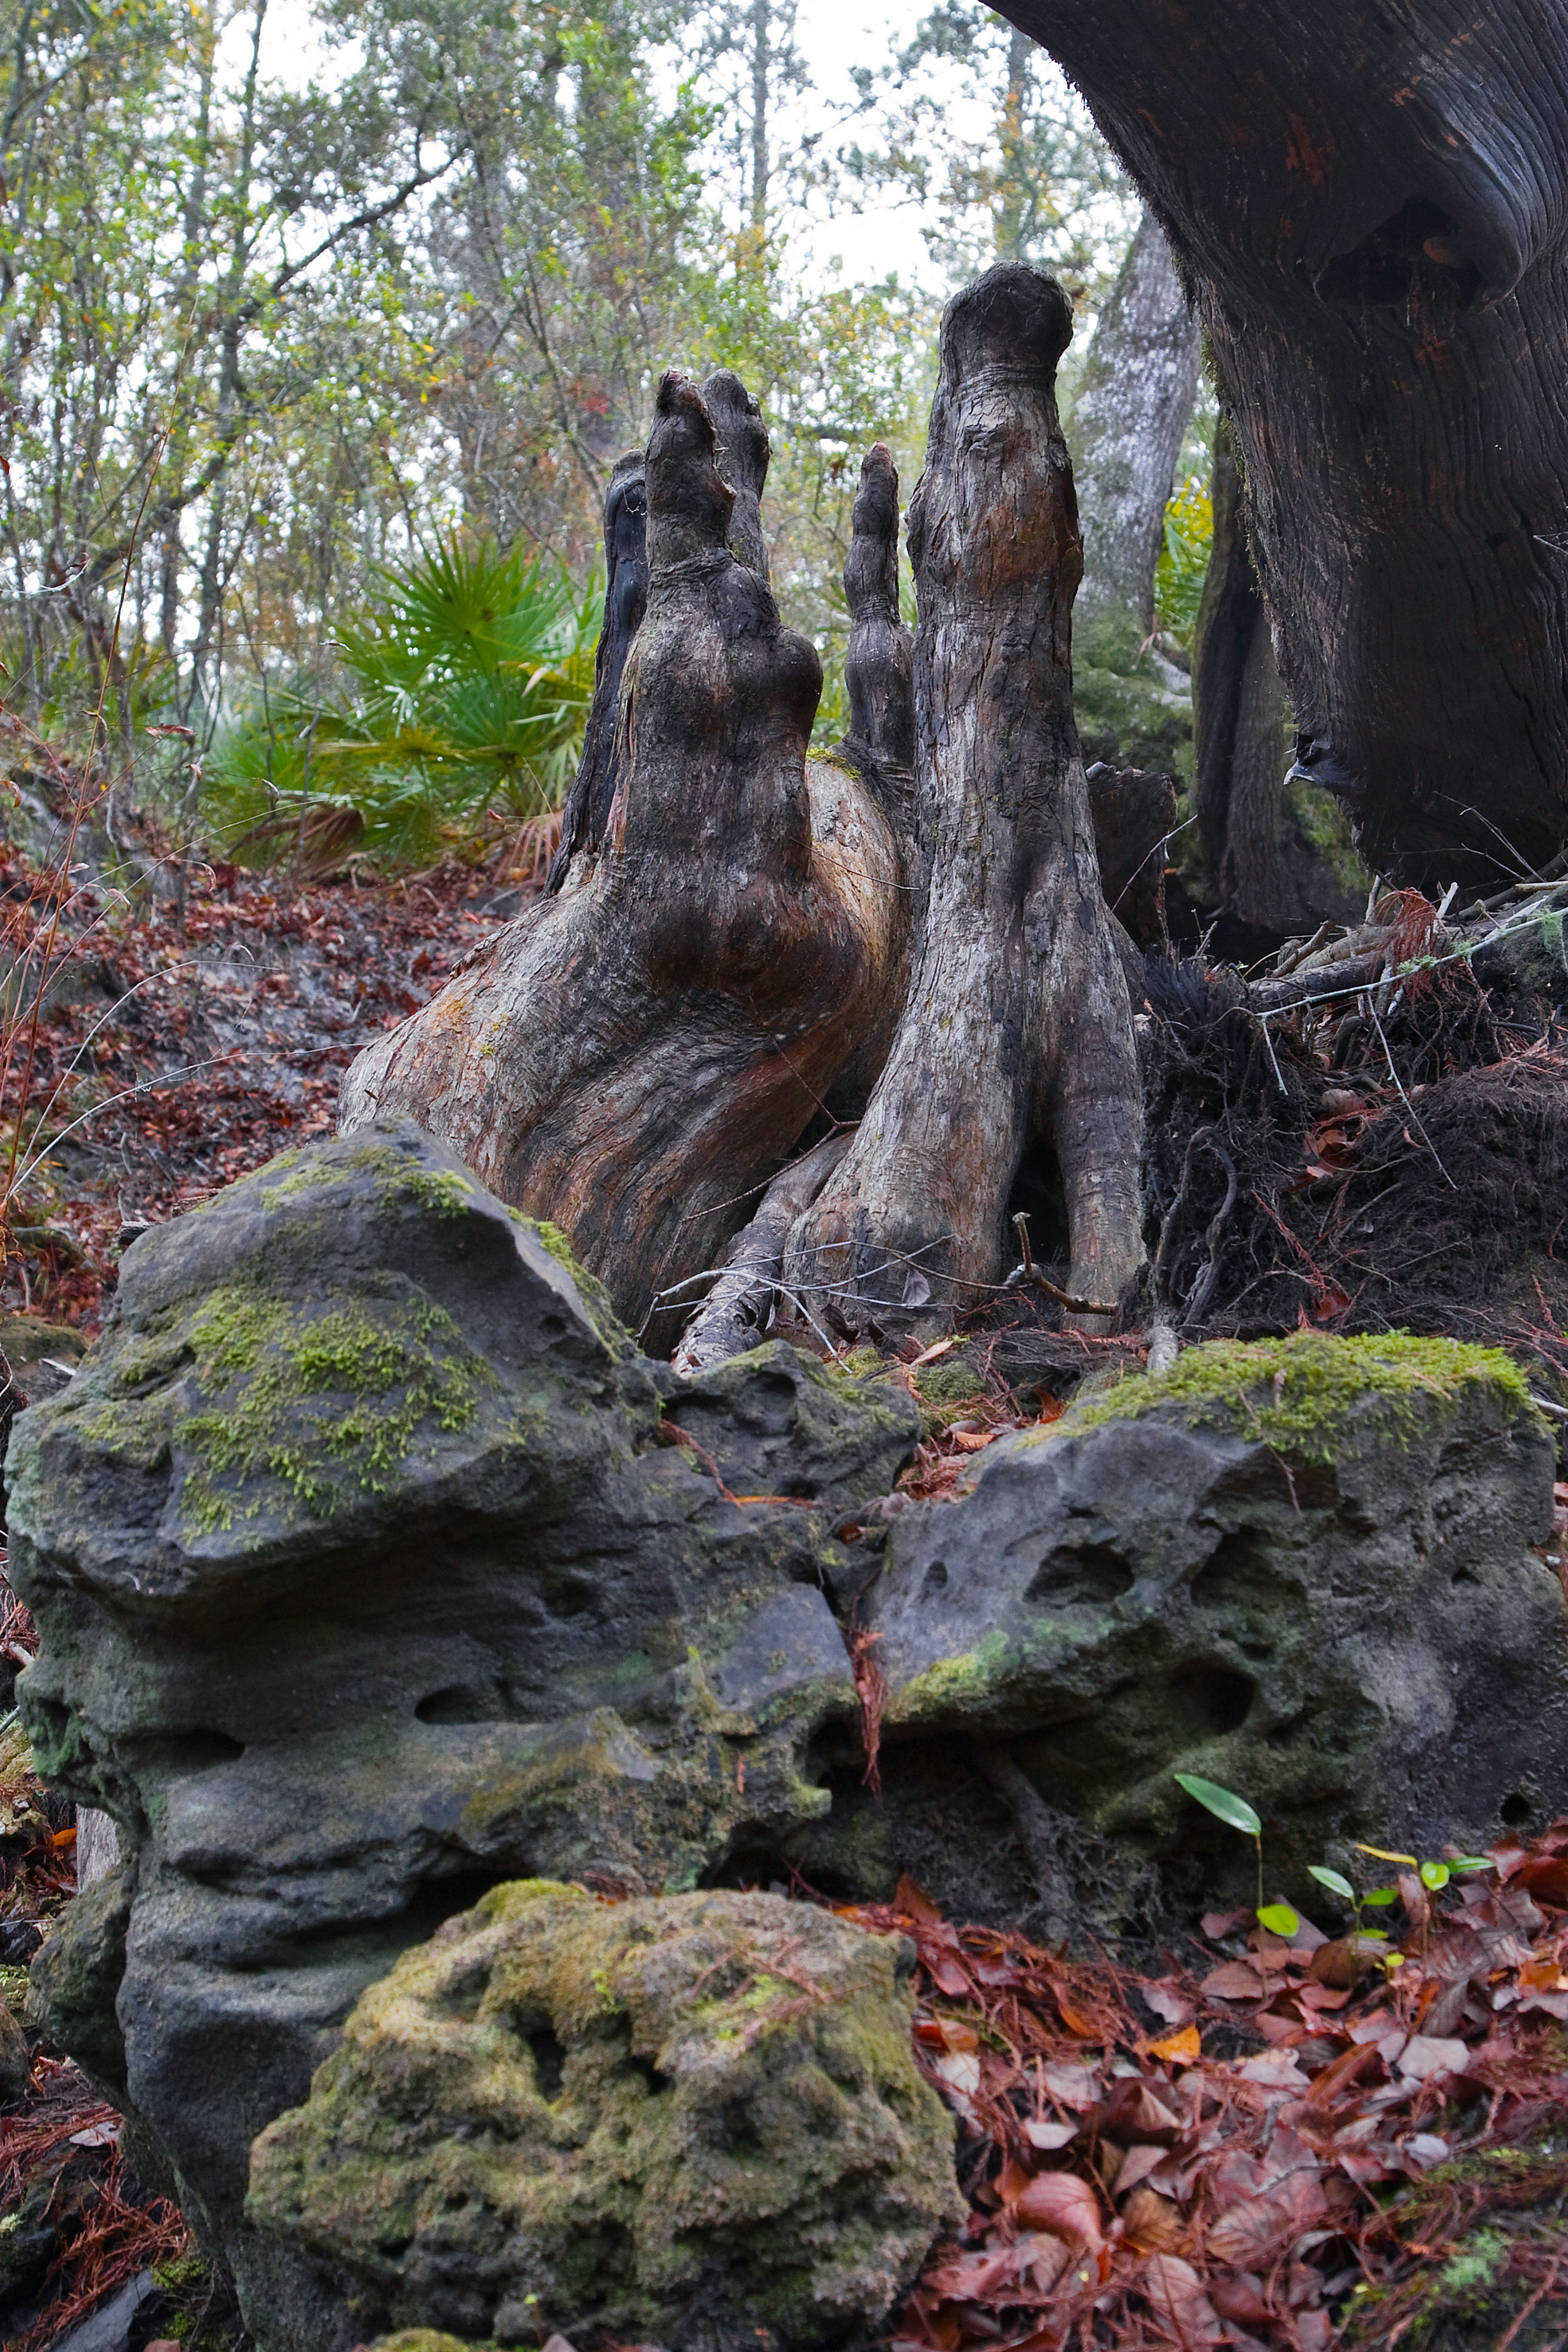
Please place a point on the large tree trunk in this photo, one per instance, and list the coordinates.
(1280, 852)
(1017, 1031)
(635, 1055)
(1125, 431)
(1371, 203)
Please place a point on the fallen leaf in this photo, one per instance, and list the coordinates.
(1235, 1980)
(1425, 2058)
(1048, 2136)
(1175, 2292)
(1252, 2235)
(1153, 2221)
(1065, 2206)
(1181, 2048)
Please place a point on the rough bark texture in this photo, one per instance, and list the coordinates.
(1132, 812)
(1370, 202)
(587, 808)
(1018, 1027)
(637, 1054)
(1279, 852)
(1140, 380)
(734, 1315)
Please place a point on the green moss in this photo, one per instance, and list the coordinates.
(1324, 826)
(442, 1190)
(848, 1373)
(14, 1992)
(262, 1359)
(595, 1296)
(1312, 1396)
(955, 1682)
(1125, 713)
(732, 2112)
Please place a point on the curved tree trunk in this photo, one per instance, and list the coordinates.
(1133, 405)
(1280, 852)
(1371, 204)
(634, 1056)
(1017, 1029)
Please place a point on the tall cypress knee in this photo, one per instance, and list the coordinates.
(1017, 1030)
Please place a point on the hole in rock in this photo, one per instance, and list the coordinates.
(1238, 1568)
(1514, 1811)
(934, 1579)
(648, 2072)
(1089, 1576)
(1219, 1697)
(197, 1751)
(548, 2054)
(455, 1704)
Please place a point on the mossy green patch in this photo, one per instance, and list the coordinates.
(1125, 712)
(401, 1363)
(627, 2108)
(1315, 1397)
(595, 1296)
(401, 1182)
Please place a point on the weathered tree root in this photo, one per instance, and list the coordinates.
(1039, 1832)
(1018, 1028)
(636, 1057)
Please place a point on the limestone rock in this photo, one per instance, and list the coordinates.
(369, 1575)
(690, 2120)
(1302, 1569)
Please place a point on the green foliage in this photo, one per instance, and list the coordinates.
(1184, 561)
(466, 689)
(1222, 1803)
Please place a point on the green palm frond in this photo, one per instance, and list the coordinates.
(467, 690)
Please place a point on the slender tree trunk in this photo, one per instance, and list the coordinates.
(1371, 203)
(1132, 409)
(1017, 1031)
(759, 61)
(1280, 855)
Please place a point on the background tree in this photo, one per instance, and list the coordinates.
(1371, 205)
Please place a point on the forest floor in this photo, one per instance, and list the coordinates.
(1251, 2141)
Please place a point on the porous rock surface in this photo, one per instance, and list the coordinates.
(692, 2119)
(375, 1567)
(1309, 1570)
(367, 1578)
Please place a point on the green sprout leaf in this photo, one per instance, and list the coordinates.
(1279, 1918)
(1380, 1895)
(1222, 1803)
(1332, 1880)
(1472, 1861)
(1433, 1874)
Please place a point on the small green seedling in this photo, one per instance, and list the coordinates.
(1237, 1814)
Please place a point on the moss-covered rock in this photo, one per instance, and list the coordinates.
(370, 1570)
(1306, 1568)
(686, 2120)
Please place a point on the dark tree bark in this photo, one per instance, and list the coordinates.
(1370, 202)
(1133, 810)
(588, 809)
(635, 1055)
(1017, 1031)
(742, 460)
(1133, 405)
(1271, 853)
